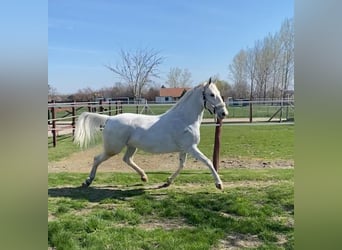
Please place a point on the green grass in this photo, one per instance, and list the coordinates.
(259, 111)
(64, 148)
(119, 212)
(253, 142)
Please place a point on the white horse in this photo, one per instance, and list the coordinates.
(177, 130)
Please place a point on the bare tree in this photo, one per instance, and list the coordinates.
(224, 87)
(287, 53)
(238, 73)
(275, 67)
(137, 69)
(267, 67)
(85, 94)
(179, 78)
(252, 59)
(52, 92)
(264, 58)
(151, 94)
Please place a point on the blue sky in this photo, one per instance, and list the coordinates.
(202, 36)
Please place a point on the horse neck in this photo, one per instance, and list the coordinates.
(191, 107)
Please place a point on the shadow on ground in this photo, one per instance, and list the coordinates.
(94, 194)
(97, 194)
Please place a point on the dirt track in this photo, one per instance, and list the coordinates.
(82, 162)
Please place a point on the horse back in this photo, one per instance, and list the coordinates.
(149, 133)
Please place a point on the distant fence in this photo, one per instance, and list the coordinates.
(62, 116)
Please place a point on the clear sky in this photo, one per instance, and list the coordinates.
(200, 35)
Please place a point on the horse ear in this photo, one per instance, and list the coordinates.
(209, 81)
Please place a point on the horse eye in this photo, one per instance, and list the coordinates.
(212, 95)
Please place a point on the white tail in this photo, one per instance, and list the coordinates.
(87, 126)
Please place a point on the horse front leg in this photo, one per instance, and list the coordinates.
(182, 160)
(97, 161)
(197, 154)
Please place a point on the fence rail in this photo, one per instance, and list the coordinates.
(62, 116)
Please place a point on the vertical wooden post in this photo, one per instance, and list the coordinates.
(101, 107)
(49, 115)
(216, 154)
(54, 131)
(73, 123)
(116, 108)
(109, 108)
(250, 111)
(89, 107)
(281, 109)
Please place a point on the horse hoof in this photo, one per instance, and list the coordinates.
(219, 186)
(144, 178)
(165, 185)
(84, 185)
(169, 181)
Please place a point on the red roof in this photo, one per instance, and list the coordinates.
(173, 92)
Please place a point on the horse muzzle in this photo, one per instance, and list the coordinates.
(220, 112)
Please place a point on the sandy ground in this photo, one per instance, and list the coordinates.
(82, 162)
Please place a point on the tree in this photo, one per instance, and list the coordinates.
(275, 79)
(178, 78)
(52, 92)
(224, 87)
(267, 68)
(287, 54)
(137, 69)
(238, 73)
(85, 95)
(151, 94)
(264, 57)
(252, 59)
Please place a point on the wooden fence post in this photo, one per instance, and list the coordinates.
(109, 108)
(216, 154)
(101, 107)
(250, 111)
(73, 118)
(54, 131)
(89, 107)
(49, 116)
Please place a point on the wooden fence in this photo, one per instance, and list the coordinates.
(62, 116)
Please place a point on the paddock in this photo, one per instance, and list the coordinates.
(255, 209)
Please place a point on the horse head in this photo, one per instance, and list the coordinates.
(212, 100)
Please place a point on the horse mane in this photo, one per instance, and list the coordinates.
(184, 98)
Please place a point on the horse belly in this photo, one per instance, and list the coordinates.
(154, 143)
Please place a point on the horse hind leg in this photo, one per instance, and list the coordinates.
(128, 158)
(182, 160)
(97, 161)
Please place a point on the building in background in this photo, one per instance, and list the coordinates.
(169, 95)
